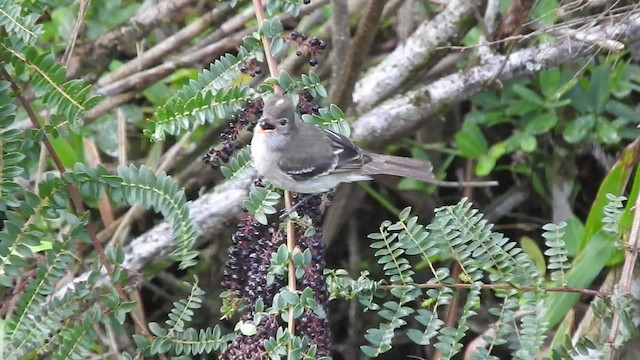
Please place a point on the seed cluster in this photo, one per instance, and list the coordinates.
(251, 347)
(306, 105)
(247, 118)
(246, 272)
(251, 68)
(311, 46)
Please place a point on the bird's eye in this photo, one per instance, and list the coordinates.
(282, 122)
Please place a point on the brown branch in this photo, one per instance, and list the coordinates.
(95, 56)
(360, 46)
(340, 38)
(587, 292)
(76, 200)
(161, 50)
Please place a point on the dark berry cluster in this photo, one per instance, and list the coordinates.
(251, 347)
(247, 118)
(248, 263)
(316, 328)
(311, 206)
(246, 272)
(311, 46)
(306, 105)
(251, 68)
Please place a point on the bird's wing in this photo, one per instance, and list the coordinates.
(349, 155)
(302, 162)
(337, 154)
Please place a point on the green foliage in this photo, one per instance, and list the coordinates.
(24, 28)
(239, 166)
(210, 98)
(180, 338)
(458, 232)
(164, 194)
(576, 110)
(557, 252)
(47, 79)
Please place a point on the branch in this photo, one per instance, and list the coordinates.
(407, 112)
(588, 292)
(211, 214)
(158, 52)
(340, 37)
(361, 45)
(94, 57)
(412, 55)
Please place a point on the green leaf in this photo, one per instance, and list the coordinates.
(550, 81)
(607, 132)
(470, 141)
(531, 248)
(577, 130)
(598, 92)
(527, 94)
(541, 123)
(584, 269)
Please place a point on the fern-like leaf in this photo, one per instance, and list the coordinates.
(262, 202)
(11, 156)
(141, 186)
(23, 27)
(556, 252)
(210, 98)
(240, 166)
(47, 80)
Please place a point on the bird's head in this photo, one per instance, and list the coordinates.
(277, 116)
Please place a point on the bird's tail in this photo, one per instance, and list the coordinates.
(413, 168)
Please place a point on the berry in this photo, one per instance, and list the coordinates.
(313, 61)
(307, 2)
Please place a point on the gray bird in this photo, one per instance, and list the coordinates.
(303, 158)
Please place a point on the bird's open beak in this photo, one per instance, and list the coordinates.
(264, 125)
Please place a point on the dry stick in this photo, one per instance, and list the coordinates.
(452, 308)
(137, 27)
(144, 78)
(158, 52)
(291, 235)
(362, 41)
(75, 195)
(340, 37)
(627, 273)
(588, 292)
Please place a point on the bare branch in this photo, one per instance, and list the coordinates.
(96, 54)
(407, 112)
(211, 213)
(412, 55)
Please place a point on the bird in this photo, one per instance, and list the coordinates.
(304, 158)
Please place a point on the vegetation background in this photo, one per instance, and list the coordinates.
(100, 99)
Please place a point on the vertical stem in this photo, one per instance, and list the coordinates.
(288, 203)
(291, 246)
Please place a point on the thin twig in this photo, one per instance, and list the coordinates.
(75, 195)
(627, 273)
(340, 37)
(291, 235)
(360, 46)
(588, 292)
